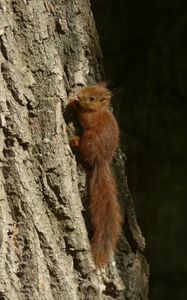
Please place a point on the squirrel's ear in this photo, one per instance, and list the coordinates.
(103, 83)
(107, 96)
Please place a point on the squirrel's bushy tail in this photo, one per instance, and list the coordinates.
(105, 213)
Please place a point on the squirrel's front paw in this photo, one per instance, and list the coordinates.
(75, 142)
(73, 103)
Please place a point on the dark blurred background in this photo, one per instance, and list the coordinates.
(145, 56)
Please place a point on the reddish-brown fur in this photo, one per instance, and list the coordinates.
(97, 146)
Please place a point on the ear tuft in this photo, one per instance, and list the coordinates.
(103, 83)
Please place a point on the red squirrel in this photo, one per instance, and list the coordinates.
(97, 145)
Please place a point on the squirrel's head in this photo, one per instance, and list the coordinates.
(94, 97)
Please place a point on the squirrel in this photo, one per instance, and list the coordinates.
(97, 145)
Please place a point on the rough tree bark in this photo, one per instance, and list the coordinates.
(47, 50)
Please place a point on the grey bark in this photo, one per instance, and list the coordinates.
(48, 49)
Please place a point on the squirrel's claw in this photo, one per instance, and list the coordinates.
(75, 141)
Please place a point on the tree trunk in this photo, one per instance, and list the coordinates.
(48, 49)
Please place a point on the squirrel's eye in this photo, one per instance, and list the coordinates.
(92, 98)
